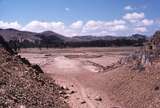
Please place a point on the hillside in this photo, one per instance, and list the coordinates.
(52, 39)
(23, 85)
(109, 37)
(133, 89)
(13, 34)
(136, 83)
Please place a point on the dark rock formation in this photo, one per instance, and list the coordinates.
(5, 45)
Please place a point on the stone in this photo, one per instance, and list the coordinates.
(62, 92)
(83, 102)
(72, 92)
(156, 88)
(98, 98)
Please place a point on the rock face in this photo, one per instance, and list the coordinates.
(22, 86)
(156, 38)
(147, 54)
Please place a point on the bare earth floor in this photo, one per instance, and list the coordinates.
(81, 70)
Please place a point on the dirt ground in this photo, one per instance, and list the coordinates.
(82, 71)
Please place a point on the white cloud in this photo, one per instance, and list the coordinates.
(115, 22)
(118, 28)
(133, 17)
(105, 25)
(93, 25)
(130, 23)
(135, 7)
(128, 7)
(147, 22)
(138, 19)
(143, 22)
(77, 25)
(140, 29)
(14, 25)
(67, 9)
(38, 26)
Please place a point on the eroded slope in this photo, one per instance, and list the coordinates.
(22, 86)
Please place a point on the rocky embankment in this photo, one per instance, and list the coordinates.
(136, 84)
(25, 86)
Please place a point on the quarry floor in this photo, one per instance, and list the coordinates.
(81, 71)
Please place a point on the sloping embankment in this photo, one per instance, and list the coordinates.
(24, 86)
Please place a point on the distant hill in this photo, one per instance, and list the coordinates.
(109, 37)
(13, 34)
(53, 34)
(93, 38)
(52, 39)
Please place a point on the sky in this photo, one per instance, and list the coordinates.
(82, 17)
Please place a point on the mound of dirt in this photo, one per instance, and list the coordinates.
(25, 86)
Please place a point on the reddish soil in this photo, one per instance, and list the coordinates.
(81, 71)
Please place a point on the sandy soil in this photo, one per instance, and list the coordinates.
(81, 71)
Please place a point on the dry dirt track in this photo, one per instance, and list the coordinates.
(81, 70)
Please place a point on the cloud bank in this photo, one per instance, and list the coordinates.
(130, 23)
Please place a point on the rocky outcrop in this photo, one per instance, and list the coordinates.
(22, 87)
(156, 38)
(146, 55)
